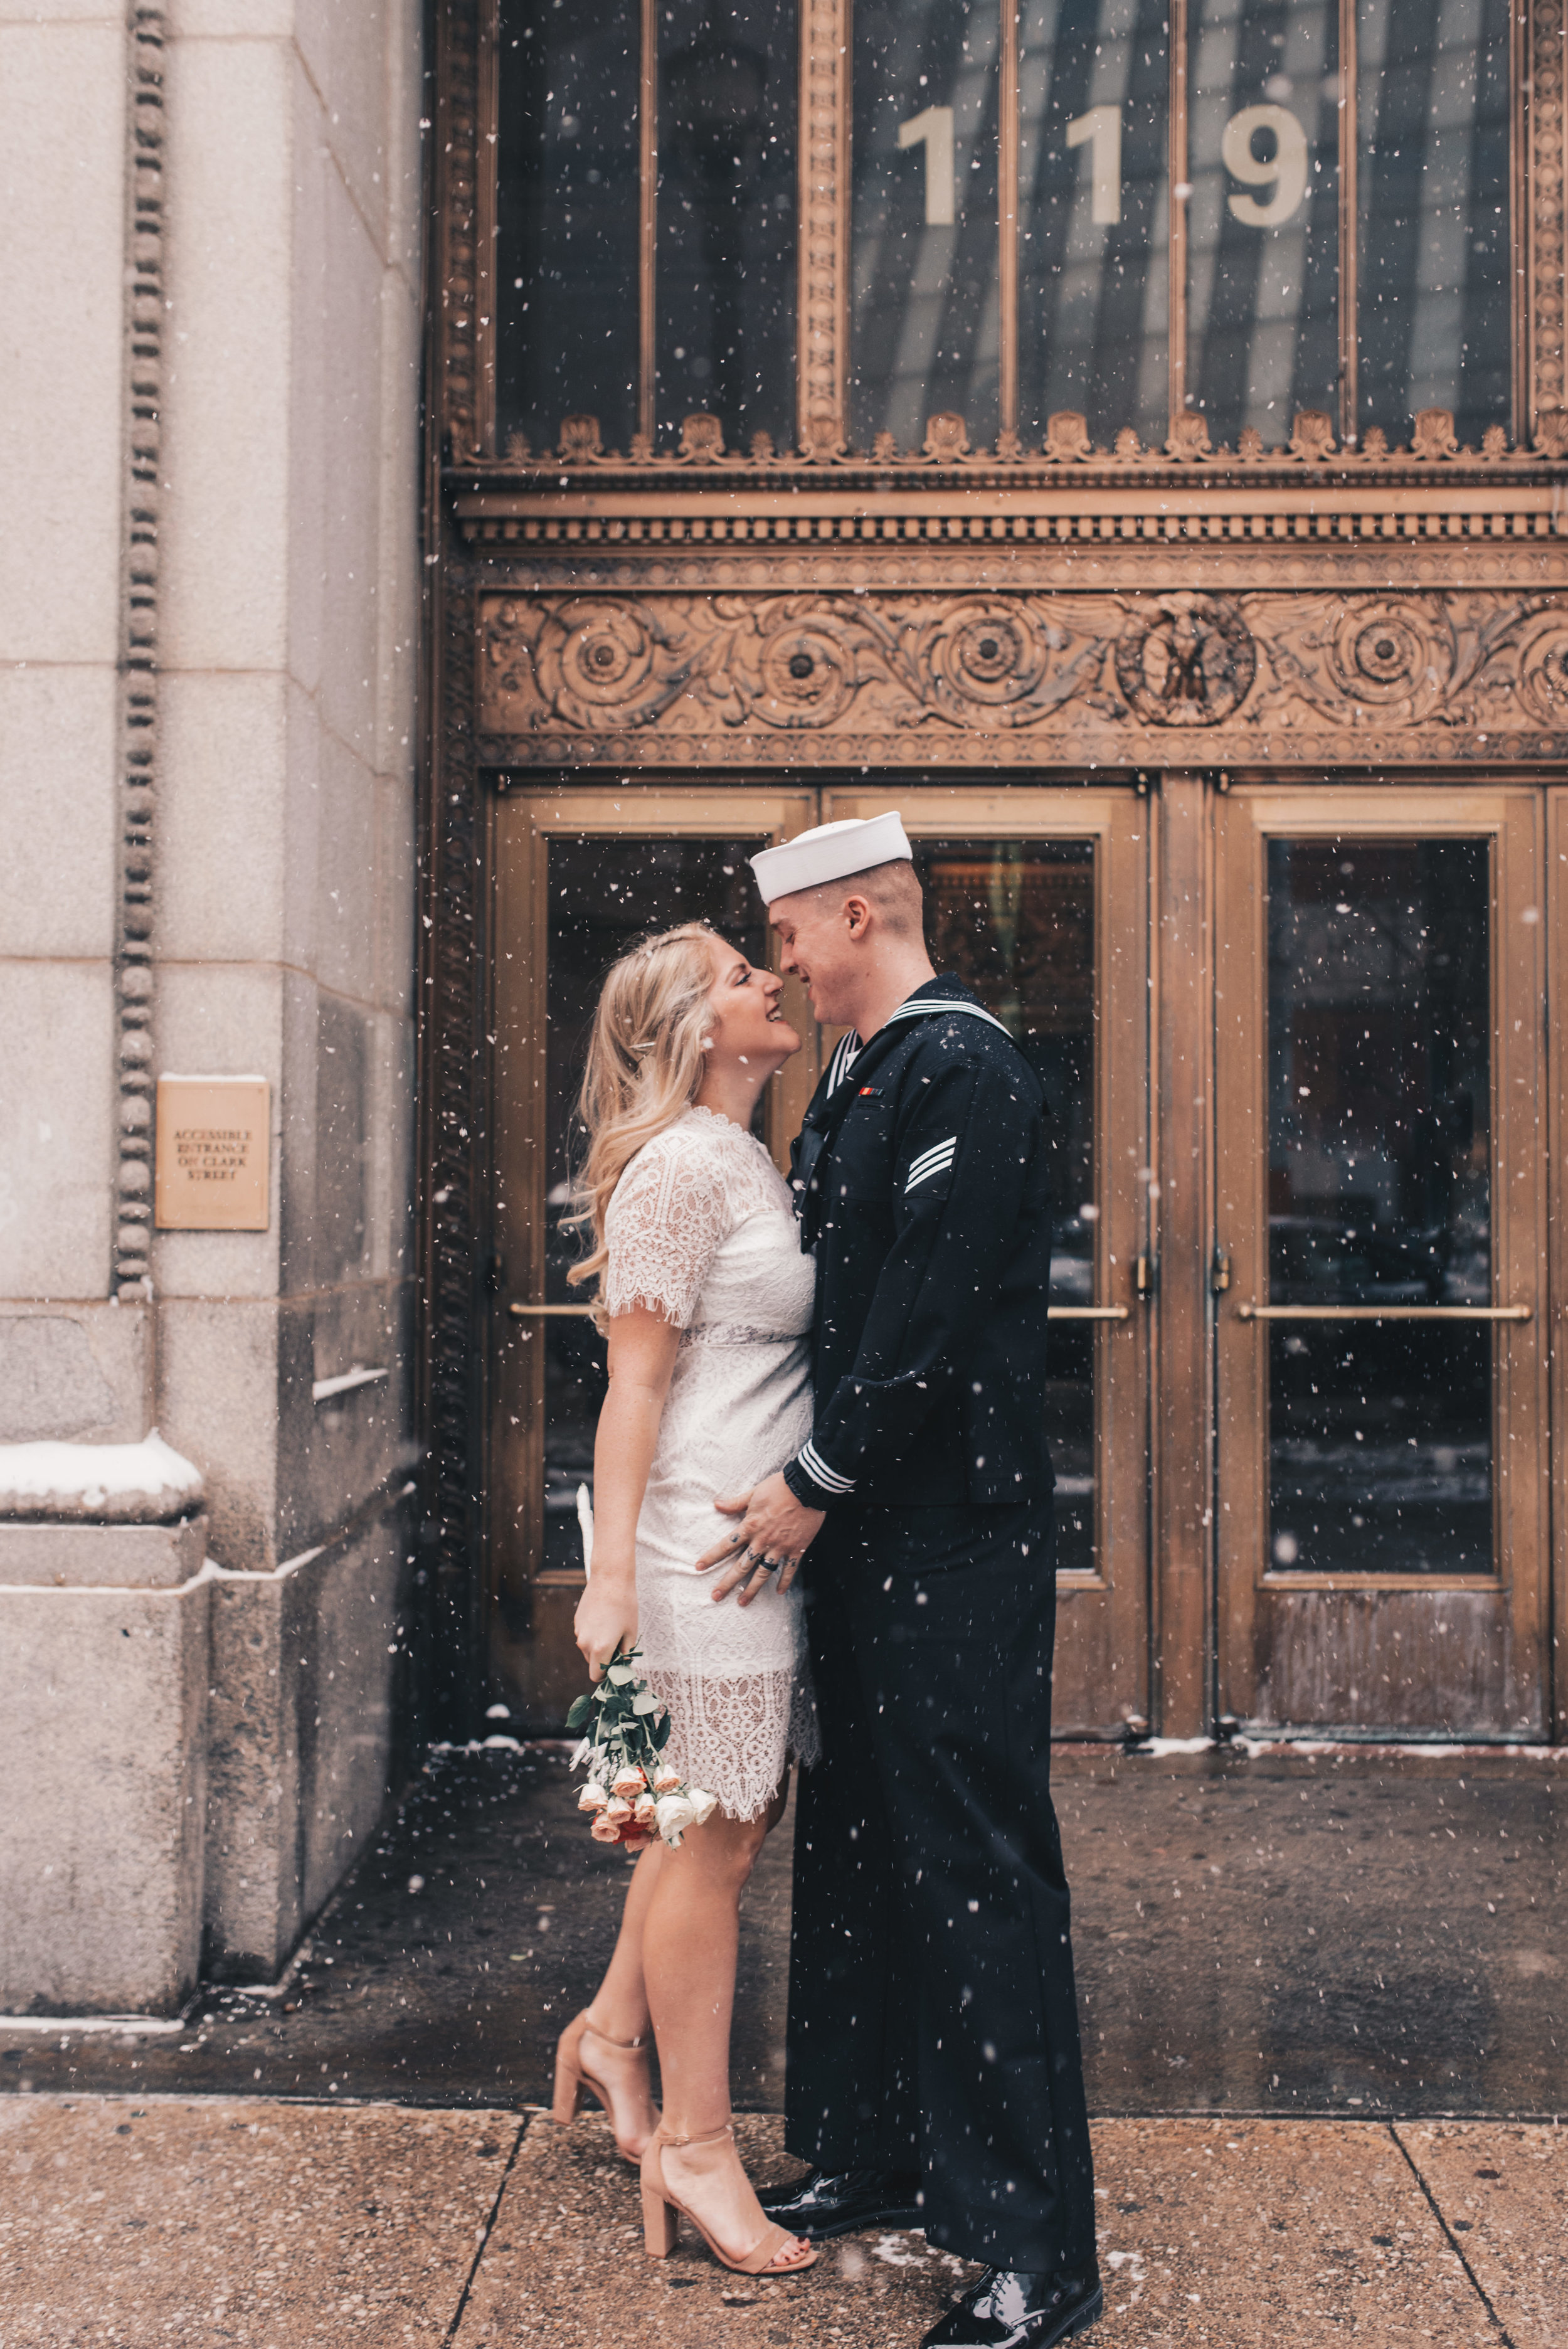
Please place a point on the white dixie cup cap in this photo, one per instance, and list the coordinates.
(830, 852)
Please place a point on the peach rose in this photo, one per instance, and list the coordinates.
(603, 1829)
(593, 1797)
(617, 1810)
(667, 1782)
(629, 1782)
(636, 1842)
(644, 1813)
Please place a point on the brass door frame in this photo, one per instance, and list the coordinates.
(1102, 1673)
(1267, 1620)
(524, 822)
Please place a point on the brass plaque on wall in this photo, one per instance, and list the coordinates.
(213, 1147)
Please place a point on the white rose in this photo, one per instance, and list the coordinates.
(675, 1814)
(593, 1797)
(705, 1803)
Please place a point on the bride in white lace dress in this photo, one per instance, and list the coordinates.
(706, 1300)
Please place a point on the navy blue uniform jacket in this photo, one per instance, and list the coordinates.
(923, 1180)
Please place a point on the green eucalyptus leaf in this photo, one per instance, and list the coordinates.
(581, 1708)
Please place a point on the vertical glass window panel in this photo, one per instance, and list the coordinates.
(924, 318)
(604, 897)
(1094, 215)
(1014, 920)
(566, 243)
(1434, 253)
(726, 206)
(1380, 1456)
(1262, 222)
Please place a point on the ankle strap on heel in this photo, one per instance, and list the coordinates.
(588, 2025)
(708, 2136)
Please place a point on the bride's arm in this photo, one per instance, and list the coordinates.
(642, 1358)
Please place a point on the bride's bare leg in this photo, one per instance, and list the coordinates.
(620, 2004)
(689, 1944)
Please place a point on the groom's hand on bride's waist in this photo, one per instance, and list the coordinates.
(771, 1528)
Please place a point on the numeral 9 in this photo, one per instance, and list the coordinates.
(1285, 172)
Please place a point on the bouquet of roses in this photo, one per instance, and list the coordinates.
(631, 1795)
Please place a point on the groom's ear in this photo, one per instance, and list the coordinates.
(857, 915)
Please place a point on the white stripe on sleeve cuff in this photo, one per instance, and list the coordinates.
(817, 1468)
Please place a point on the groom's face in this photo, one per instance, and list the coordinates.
(823, 943)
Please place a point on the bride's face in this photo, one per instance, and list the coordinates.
(749, 1029)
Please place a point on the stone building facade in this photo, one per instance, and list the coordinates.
(209, 629)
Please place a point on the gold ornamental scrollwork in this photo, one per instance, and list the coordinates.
(607, 678)
(1395, 654)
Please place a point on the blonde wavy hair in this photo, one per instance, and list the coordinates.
(644, 1066)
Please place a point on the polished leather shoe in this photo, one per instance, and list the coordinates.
(837, 2202)
(1009, 2308)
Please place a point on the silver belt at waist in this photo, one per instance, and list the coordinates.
(737, 1333)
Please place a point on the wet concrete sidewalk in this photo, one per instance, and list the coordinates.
(1326, 2012)
(128, 2224)
(1341, 1933)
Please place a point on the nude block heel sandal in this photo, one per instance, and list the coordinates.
(662, 2212)
(574, 2079)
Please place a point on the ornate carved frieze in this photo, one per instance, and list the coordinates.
(886, 678)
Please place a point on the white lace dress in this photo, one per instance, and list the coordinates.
(700, 1229)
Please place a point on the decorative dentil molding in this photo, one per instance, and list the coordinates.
(984, 678)
(139, 648)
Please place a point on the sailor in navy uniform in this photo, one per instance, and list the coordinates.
(934, 2076)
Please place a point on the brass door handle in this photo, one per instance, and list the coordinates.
(1383, 1312)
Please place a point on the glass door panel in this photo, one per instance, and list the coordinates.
(1379, 1194)
(582, 876)
(1037, 900)
(1379, 1355)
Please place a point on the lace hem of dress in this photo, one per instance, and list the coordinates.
(735, 1736)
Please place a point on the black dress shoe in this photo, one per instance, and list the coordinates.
(1010, 2308)
(836, 2201)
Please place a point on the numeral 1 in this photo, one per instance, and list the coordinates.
(933, 131)
(1100, 131)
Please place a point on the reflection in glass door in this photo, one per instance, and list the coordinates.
(1037, 900)
(1378, 1265)
(1381, 1430)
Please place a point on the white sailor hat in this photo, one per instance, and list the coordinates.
(830, 852)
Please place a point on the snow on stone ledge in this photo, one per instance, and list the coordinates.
(144, 1483)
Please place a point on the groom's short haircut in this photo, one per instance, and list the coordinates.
(892, 890)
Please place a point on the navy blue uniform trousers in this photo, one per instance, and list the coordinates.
(932, 2016)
